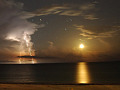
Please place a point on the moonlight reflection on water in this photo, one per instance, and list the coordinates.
(82, 73)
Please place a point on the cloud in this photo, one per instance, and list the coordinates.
(51, 45)
(89, 34)
(14, 25)
(85, 10)
(90, 17)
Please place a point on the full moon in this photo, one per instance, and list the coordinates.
(81, 46)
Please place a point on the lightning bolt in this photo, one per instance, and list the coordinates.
(27, 44)
(27, 39)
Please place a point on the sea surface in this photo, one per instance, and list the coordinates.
(61, 73)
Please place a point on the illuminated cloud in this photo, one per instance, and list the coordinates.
(90, 34)
(14, 24)
(90, 17)
(86, 10)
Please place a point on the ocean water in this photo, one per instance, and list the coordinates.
(61, 73)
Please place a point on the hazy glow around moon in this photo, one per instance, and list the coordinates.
(81, 46)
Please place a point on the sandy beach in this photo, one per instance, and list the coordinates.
(57, 87)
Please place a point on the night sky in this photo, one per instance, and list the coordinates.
(56, 28)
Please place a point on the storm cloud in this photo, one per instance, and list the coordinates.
(13, 25)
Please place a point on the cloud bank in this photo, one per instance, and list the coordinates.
(14, 26)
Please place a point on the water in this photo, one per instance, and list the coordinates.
(61, 73)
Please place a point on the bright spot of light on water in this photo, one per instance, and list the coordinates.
(82, 73)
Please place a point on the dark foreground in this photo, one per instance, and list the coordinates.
(57, 87)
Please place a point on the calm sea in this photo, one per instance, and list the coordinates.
(61, 73)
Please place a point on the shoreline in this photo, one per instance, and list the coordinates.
(57, 87)
(64, 83)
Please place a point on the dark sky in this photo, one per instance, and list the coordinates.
(57, 27)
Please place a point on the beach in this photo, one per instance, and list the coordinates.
(57, 87)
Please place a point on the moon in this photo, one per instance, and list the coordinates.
(81, 46)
